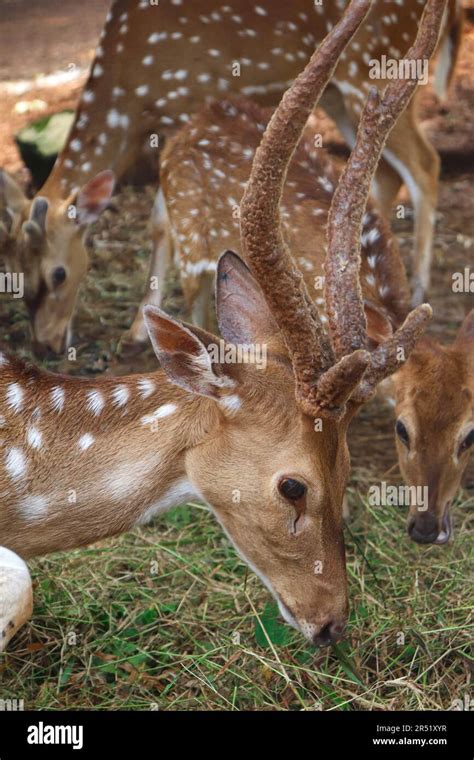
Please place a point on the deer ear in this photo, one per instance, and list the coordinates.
(94, 197)
(379, 327)
(35, 227)
(243, 315)
(183, 356)
(466, 331)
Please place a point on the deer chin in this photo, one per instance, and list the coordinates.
(446, 527)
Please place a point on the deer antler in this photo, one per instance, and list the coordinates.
(262, 241)
(344, 303)
(328, 372)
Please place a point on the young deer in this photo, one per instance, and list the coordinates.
(89, 458)
(140, 83)
(205, 167)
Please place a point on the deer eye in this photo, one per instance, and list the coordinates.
(402, 433)
(468, 441)
(292, 489)
(58, 276)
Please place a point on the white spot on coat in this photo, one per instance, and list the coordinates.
(14, 397)
(231, 403)
(159, 414)
(120, 395)
(86, 441)
(145, 387)
(15, 463)
(33, 507)
(34, 437)
(95, 402)
(57, 399)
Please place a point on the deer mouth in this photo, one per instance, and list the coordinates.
(446, 527)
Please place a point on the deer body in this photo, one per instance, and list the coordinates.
(248, 442)
(205, 169)
(96, 458)
(156, 65)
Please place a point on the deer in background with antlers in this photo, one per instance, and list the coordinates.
(96, 438)
(205, 167)
(140, 84)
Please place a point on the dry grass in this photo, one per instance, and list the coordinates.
(167, 618)
(113, 630)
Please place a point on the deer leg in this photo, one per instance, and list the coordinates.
(409, 158)
(135, 338)
(386, 186)
(418, 164)
(16, 595)
(387, 181)
(198, 293)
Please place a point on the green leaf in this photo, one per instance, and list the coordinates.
(67, 670)
(278, 633)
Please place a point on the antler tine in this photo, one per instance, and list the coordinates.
(344, 303)
(262, 241)
(389, 356)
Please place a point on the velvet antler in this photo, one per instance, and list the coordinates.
(262, 241)
(344, 303)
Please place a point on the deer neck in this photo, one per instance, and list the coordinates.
(87, 459)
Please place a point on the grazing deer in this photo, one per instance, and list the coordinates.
(433, 396)
(90, 458)
(155, 65)
(204, 169)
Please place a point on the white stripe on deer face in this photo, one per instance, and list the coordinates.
(15, 394)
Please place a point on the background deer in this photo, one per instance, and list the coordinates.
(140, 83)
(204, 169)
(82, 460)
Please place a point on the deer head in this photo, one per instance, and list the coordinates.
(274, 484)
(45, 242)
(435, 430)
(266, 449)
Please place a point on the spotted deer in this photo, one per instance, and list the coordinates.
(204, 171)
(154, 66)
(264, 446)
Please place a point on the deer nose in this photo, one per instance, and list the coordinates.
(423, 529)
(328, 634)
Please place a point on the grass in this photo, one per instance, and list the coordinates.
(168, 618)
